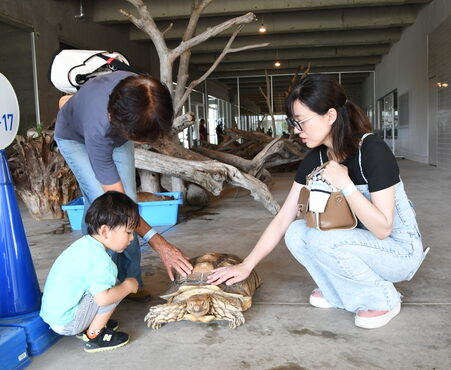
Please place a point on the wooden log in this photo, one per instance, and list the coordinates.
(243, 164)
(208, 174)
(197, 196)
(253, 136)
(150, 181)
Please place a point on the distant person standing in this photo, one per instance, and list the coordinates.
(219, 132)
(203, 134)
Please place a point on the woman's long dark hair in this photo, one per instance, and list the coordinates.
(322, 92)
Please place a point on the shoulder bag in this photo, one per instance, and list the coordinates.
(322, 206)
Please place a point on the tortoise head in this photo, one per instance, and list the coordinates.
(198, 305)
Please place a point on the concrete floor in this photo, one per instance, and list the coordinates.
(282, 331)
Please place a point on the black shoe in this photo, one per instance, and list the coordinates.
(106, 340)
(111, 324)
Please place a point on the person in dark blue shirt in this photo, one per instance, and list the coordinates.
(95, 131)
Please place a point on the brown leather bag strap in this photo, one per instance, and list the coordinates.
(303, 202)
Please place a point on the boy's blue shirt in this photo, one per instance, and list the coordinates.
(83, 267)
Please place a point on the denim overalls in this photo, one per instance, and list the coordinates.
(353, 268)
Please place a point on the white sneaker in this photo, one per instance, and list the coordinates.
(377, 321)
(319, 302)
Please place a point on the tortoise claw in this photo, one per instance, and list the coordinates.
(238, 319)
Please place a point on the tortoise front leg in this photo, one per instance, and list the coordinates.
(227, 309)
(164, 313)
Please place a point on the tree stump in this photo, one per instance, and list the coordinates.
(41, 177)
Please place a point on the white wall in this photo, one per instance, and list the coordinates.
(405, 68)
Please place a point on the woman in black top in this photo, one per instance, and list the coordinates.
(354, 269)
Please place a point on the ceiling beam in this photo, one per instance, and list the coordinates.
(294, 22)
(307, 39)
(295, 53)
(250, 80)
(327, 62)
(291, 71)
(108, 10)
(278, 86)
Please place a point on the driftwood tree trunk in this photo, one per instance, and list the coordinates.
(197, 168)
(41, 177)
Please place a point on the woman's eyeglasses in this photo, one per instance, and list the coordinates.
(298, 124)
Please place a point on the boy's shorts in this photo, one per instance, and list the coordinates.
(86, 311)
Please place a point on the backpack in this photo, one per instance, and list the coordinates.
(71, 68)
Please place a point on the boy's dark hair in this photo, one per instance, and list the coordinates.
(322, 92)
(112, 209)
(140, 108)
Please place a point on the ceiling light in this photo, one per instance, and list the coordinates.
(277, 63)
(262, 28)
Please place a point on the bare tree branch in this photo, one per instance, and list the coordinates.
(295, 79)
(236, 50)
(182, 76)
(267, 97)
(210, 32)
(147, 24)
(179, 103)
(182, 122)
(167, 29)
(264, 95)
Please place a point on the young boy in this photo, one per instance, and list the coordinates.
(80, 293)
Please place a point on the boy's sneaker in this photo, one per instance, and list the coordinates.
(111, 324)
(106, 340)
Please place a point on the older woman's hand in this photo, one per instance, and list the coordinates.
(336, 174)
(171, 256)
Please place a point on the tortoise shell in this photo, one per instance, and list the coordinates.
(197, 280)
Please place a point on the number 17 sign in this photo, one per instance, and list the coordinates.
(9, 113)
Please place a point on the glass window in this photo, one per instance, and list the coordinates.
(16, 63)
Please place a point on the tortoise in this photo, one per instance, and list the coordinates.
(192, 298)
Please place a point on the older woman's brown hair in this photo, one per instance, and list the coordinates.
(140, 108)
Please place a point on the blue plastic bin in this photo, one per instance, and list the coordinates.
(160, 213)
(75, 211)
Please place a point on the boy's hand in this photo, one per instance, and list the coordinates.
(131, 283)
